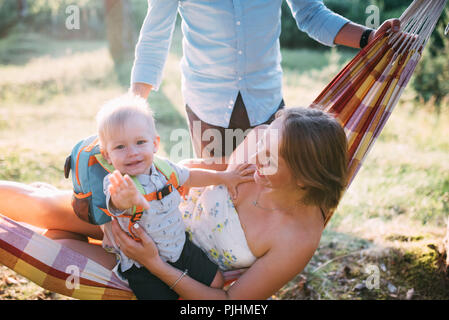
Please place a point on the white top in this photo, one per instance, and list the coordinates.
(213, 225)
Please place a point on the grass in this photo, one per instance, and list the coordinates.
(393, 216)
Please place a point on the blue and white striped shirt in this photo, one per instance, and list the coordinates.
(229, 46)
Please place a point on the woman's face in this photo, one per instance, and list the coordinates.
(271, 169)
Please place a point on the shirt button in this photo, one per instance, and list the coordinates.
(237, 23)
(240, 78)
(231, 102)
(240, 52)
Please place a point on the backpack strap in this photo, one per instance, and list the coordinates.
(167, 170)
(170, 174)
(161, 165)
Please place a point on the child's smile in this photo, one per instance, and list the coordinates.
(131, 148)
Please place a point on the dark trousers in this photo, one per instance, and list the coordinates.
(147, 286)
(239, 120)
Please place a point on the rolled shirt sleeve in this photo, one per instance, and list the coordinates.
(314, 18)
(154, 42)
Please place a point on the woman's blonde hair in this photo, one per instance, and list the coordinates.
(314, 146)
(118, 110)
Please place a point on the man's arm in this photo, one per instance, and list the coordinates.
(153, 46)
(351, 33)
(328, 27)
(314, 18)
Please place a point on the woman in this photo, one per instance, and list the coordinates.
(280, 216)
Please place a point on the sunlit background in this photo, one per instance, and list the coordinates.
(56, 71)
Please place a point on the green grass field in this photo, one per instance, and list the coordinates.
(392, 217)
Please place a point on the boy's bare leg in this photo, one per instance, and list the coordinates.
(43, 207)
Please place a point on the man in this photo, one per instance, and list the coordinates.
(231, 71)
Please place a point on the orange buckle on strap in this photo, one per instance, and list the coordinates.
(136, 217)
(165, 191)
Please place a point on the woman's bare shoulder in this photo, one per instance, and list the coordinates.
(296, 238)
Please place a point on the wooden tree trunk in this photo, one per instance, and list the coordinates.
(120, 32)
(22, 13)
(22, 8)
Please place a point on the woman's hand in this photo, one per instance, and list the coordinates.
(240, 174)
(145, 252)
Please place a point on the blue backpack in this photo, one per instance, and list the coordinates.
(88, 171)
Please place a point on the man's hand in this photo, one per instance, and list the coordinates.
(124, 193)
(393, 24)
(350, 35)
(141, 89)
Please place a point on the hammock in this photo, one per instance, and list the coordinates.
(362, 97)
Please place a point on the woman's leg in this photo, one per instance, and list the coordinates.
(43, 207)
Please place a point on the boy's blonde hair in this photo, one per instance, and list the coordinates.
(116, 111)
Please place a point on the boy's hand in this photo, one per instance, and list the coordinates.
(242, 173)
(124, 193)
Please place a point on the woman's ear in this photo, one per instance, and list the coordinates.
(300, 185)
(156, 143)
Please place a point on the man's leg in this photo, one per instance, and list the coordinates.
(230, 138)
(204, 135)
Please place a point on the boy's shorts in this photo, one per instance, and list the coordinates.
(147, 286)
(239, 120)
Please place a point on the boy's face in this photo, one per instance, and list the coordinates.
(130, 148)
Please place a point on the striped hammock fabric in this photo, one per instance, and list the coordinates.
(362, 97)
(60, 269)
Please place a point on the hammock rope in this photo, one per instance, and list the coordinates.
(362, 97)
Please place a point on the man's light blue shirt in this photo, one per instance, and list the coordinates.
(229, 46)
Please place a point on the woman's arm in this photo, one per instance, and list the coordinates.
(264, 278)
